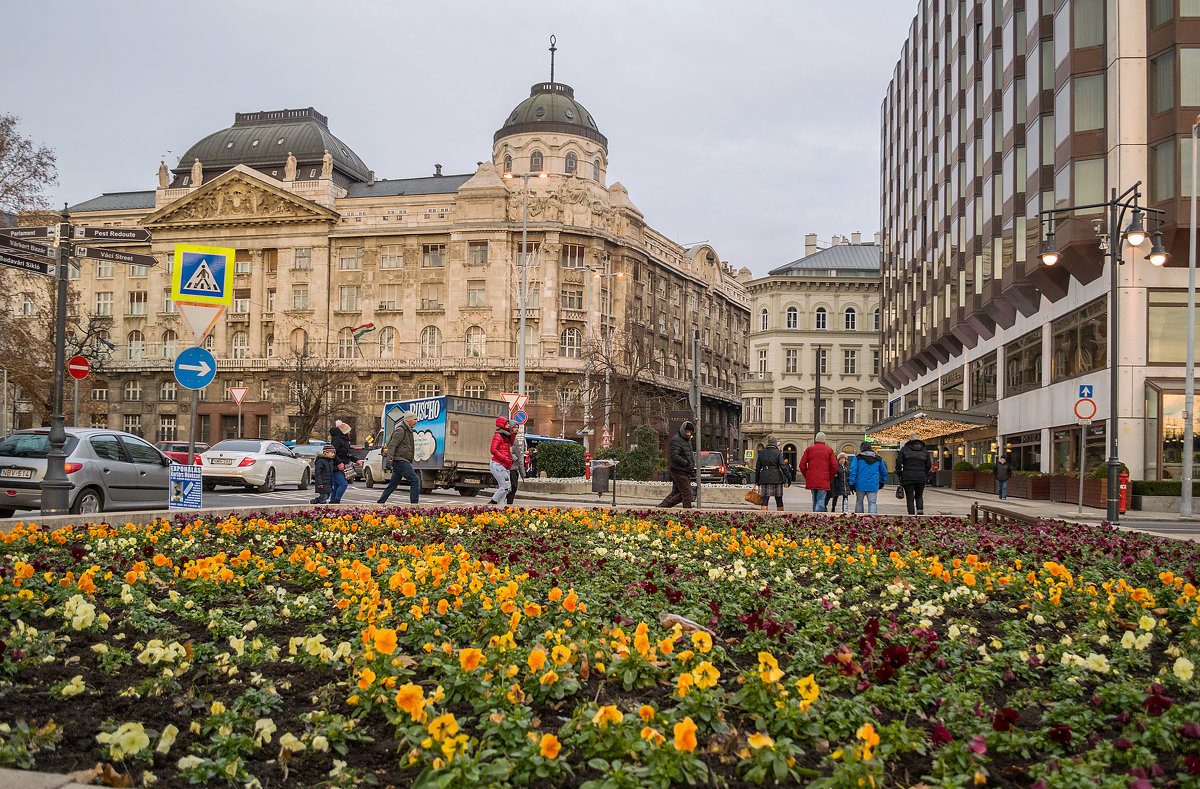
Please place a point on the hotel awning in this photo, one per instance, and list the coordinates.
(927, 423)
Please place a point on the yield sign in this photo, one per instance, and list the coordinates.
(516, 402)
(238, 393)
(199, 318)
(78, 367)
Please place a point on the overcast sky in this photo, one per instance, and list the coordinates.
(745, 124)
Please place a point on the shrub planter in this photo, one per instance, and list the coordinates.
(1066, 490)
(1039, 488)
(1018, 486)
(962, 480)
(985, 482)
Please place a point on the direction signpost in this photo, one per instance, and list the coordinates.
(127, 235)
(78, 368)
(113, 256)
(27, 232)
(27, 265)
(27, 247)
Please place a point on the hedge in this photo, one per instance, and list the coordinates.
(1162, 487)
(560, 459)
(963, 465)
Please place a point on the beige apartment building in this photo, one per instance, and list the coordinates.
(817, 314)
(433, 265)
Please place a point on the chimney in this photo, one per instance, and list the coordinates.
(810, 244)
(878, 237)
(370, 177)
(835, 240)
(437, 171)
(856, 238)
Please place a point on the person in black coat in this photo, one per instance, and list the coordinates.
(1003, 473)
(680, 462)
(771, 474)
(839, 486)
(913, 465)
(323, 471)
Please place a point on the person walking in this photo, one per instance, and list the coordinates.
(771, 475)
(1003, 473)
(398, 456)
(517, 472)
(868, 473)
(914, 466)
(502, 459)
(343, 456)
(818, 465)
(680, 462)
(839, 486)
(323, 468)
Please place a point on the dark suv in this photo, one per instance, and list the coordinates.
(712, 467)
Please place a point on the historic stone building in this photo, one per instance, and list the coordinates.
(816, 314)
(433, 265)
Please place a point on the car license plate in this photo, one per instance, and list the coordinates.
(471, 480)
(222, 462)
(16, 473)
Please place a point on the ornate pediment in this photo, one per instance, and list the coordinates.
(240, 196)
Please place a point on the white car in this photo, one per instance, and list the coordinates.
(251, 463)
(372, 468)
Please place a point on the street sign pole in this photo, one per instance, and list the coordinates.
(1083, 426)
(192, 427)
(75, 420)
(239, 418)
(55, 486)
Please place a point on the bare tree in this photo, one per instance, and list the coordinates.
(316, 387)
(26, 169)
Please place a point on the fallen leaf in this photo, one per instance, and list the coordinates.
(1161, 611)
(585, 669)
(111, 777)
(87, 776)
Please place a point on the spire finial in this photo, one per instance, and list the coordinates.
(553, 49)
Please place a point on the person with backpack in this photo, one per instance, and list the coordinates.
(914, 466)
(502, 459)
(771, 475)
(868, 473)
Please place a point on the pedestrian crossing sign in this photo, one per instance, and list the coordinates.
(202, 275)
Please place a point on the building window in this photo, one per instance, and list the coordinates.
(269, 346)
(264, 390)
(508, 163)
(823, 360)
(792, 321)
(477, 293)
(572, 162)
(595, 169)
(756, 409)
(346, 344)
(1080, 341)
(139, 271)
(348, 298)
(345, 393)
(1089, 103)
(271, 260)
(104, 303)
(431, 342)
(821, 408)
(433, 255)
(387, 343)
(762, 320)
(104, 268)
(28, 305)
(476, 344)
(302, 258)
(570, 344)
(137, 302)
(535, 162)
(850, 319)
(849, 362)
(1162, 82)
(573, 256)
(790, 410)
(791, 360)
(1162, 171)
(241, 262)
(821, 319)
(477, 253)
(299, 297)
(475, 389)
(572, 298)
(1189, 73)
(241, 300)
(429, 389)
(387, 393)
(876, 411)
(240, 347)
(168, 306)
(1166, 317)
(1024, 451)
(167, 428)
(391, 256)
(789, 455)
(132, 423)
(875, 362)
(762, 360)
(350, 259)
(132, 392)
(100, 392)
(876, 319)
(136, 345)
(849, 412)
(983, 379)
(1023, 364)
(168, 392)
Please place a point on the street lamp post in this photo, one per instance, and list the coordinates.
(1185, 498)
(524, 271)
(596, 273)
(1135, 234)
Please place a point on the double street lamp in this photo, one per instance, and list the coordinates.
(1135, 235)
(587, 369)
(524, 271)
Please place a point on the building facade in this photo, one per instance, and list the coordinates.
(996, 112)
(819, 314)
(390, 289)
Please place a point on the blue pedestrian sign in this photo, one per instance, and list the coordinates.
(203, 275)
(185, 487)
(1085, 391)
(195, 368)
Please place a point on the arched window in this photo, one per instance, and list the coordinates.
(387, 343)
(347, 347)
(170, 342)
(850, 319)
(876, 319)
(531, 342)
(762, 320)
(789, 454)
(210, 344)
(793, 318)
(168, 392)
(431, 342)
(103, 349)
(595, 169)
(821, 319)
(136, 345)
(474, 389)
(535, 162)
(298, 342)
(508, 163)
(429, 389)
(673, 367)
(570, 344)
(572, 162)
(269, 346)
(660, 362)
(477, 342)
(240, 347)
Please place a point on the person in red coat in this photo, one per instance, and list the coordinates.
(502, 461)
(818, 464)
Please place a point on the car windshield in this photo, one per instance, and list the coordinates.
(710, 459)
(237, 446)
(32, 445)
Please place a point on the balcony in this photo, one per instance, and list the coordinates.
(429, 306)
(531, 313)
(573, 315)
(759, 375)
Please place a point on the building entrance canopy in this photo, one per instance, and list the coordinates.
(927, 423)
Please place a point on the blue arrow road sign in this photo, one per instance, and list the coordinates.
(1085, 391)
(195, 368)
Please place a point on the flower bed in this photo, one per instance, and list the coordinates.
(489, 647)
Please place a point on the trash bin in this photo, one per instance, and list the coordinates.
(600, 474)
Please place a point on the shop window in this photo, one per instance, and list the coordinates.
(1081, 341)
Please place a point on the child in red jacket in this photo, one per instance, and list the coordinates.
(501, 463)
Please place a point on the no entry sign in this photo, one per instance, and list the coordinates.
(78, 367)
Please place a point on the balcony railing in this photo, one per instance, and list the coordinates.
(757, 375)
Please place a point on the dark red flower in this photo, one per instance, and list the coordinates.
(941, 734)
(1122, 744)
(1190, 730)
(1005, 719)
(1192, 763)
(1156, 704)
(896, 656)
(872, 628)
(884, 673)
(1060, 733)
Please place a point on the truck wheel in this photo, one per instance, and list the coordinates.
(426, 491)
(468, 491)
(368, 477)
(209, 486)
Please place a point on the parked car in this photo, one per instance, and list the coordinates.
(178, 450)
(253, 463)
(712, 467)
(739, 475)
(107, 469)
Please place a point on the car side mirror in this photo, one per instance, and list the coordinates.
(166, 461)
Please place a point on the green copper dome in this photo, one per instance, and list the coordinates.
(551, 107)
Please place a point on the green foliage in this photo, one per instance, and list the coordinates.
(640, 463)
(559, 459)
(985, 467)
(1162, 487)
(1101, 471)
(963, 465)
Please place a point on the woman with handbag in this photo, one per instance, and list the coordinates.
(771, 475)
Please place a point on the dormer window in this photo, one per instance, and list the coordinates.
(572, 162)
(535, 161)
(508, 164)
